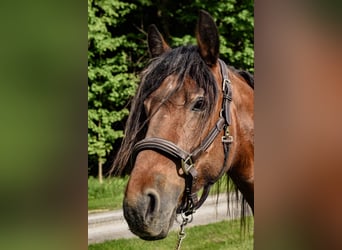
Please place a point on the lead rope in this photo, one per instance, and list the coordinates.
(182, 234)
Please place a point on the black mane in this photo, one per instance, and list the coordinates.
(248, 77)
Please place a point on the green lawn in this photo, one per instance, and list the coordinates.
(107, 195)
(222, 235)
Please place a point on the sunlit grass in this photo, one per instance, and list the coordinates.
(107, 195)
(222, 235)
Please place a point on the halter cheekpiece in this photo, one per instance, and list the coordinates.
(190, 200)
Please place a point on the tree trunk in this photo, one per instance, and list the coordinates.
(100, 170)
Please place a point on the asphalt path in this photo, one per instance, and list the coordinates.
(112, 225)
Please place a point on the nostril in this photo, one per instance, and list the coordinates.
(153, 203)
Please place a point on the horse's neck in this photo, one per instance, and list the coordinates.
(241, 167)
(243, 114)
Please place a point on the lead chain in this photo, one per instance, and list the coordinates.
(182, 234)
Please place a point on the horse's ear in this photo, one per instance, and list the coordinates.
(207, 38)
(156, 42)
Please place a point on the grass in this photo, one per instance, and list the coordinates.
(222, 235)
(109, 194)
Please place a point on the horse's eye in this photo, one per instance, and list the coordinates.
(199, 104)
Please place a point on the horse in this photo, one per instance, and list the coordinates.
(191, 121)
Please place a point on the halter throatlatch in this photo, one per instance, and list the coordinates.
(190, 200)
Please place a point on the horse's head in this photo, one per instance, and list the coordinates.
(176, 109)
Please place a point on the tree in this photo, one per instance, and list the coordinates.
(234, 18)
(110, 82)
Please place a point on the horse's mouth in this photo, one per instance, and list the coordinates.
(155, 228)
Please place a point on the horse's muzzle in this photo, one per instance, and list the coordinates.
(149, 215)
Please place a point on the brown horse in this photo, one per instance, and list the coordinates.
(191, 121)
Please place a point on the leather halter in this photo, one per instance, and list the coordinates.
(190, 201)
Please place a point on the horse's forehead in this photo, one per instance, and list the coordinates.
(166, 87)
(170, 84)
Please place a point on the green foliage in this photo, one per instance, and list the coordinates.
(110, 81)
(235, 21)
(222, 235)
(117, 52)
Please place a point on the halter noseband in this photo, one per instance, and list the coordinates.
(190, 200)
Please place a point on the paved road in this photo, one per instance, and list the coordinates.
(112, 225)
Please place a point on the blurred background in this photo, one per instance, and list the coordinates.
(44, 128)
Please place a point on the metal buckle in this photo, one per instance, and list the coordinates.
(187, 164)
(225, 84)
(227, 138)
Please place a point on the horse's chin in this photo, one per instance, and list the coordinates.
(160, 236)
